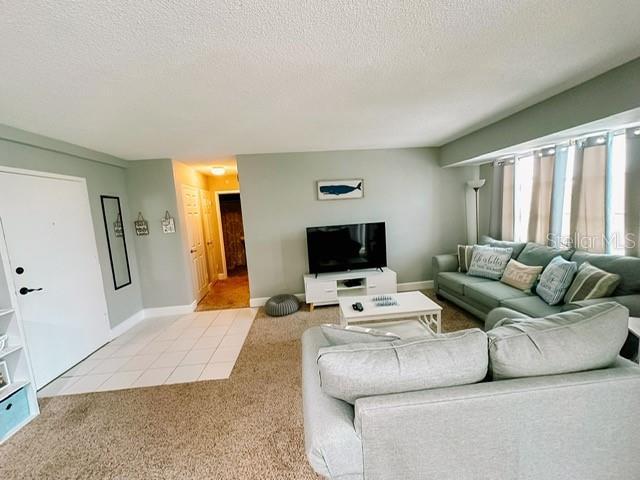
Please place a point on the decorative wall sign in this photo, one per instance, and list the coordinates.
(340, 189)
(142, 226)
(168, 225)
(117, 226)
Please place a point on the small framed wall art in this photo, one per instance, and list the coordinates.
(168, 224)
(340, 189)
(142, 226)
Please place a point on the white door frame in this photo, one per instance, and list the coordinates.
(82, 181)
(223, 257)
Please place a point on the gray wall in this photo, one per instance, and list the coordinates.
(160, 256)
(21, 150)
(615, 91)
(422, 204)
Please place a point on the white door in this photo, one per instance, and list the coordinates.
(195, 239)
(52, 251)
(209, 236)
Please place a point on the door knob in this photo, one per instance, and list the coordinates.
(25, 290)
(193, 250)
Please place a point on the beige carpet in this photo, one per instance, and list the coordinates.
(247, 427)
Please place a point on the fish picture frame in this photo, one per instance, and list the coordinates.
(340, 189)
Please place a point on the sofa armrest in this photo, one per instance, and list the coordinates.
(632, 302)
(578, 425)
(498, 314)
(443, 263)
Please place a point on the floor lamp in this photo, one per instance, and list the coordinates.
(477, 185)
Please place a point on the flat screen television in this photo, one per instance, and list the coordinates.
(339, 248)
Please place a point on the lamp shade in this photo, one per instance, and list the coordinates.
(477, 183)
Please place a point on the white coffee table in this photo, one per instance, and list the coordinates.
(410, 304)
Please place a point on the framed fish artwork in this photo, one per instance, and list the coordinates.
(340, 189)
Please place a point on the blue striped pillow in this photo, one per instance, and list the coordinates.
(556, 280)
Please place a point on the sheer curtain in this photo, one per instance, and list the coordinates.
(588, 196)
(632, 193)
(541, 189)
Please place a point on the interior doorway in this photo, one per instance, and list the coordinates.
(232, 290)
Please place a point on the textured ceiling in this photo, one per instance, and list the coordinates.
(149, 79)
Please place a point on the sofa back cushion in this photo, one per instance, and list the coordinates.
(582, 339)
(354, 371)
(556, 280)
(489, 262)
(627, 267)
(536, 254)
(492, 242)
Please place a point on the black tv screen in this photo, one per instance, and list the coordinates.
(340, 248)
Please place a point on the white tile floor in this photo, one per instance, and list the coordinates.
(179, 349)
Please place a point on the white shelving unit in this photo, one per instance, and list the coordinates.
(327, 288)
(14, 352)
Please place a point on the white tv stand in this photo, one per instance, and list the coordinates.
(327, 288)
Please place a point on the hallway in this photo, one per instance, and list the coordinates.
(233, 292)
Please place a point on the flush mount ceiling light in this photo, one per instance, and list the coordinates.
(600, 140)
(218, 171)
(636, 131)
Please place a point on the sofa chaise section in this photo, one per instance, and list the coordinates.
(579, 425)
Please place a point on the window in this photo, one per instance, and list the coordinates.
(618, 173)
(522, 198)
(523, 185)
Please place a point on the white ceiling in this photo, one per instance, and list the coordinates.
(149, 78)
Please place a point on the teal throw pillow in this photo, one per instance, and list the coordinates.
(556, 280)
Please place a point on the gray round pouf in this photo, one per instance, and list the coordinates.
(281, 305)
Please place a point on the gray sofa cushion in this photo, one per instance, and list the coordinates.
(535, 254)
(455, 281)
(353, 371)
(341, 334)
(572, 341)
(532, 306)
(492, 294)
(492, 242)
(497, 315)
(627, 267)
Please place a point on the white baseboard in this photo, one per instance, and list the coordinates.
(260, 301)
(402, 287)
(126, 325)
(171, 310)
(145, 313)
(411, 286)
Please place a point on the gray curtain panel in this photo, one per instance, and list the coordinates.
(632, 194)
(588, 198)
(557, 196)
(495, 212)
(540, 216)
